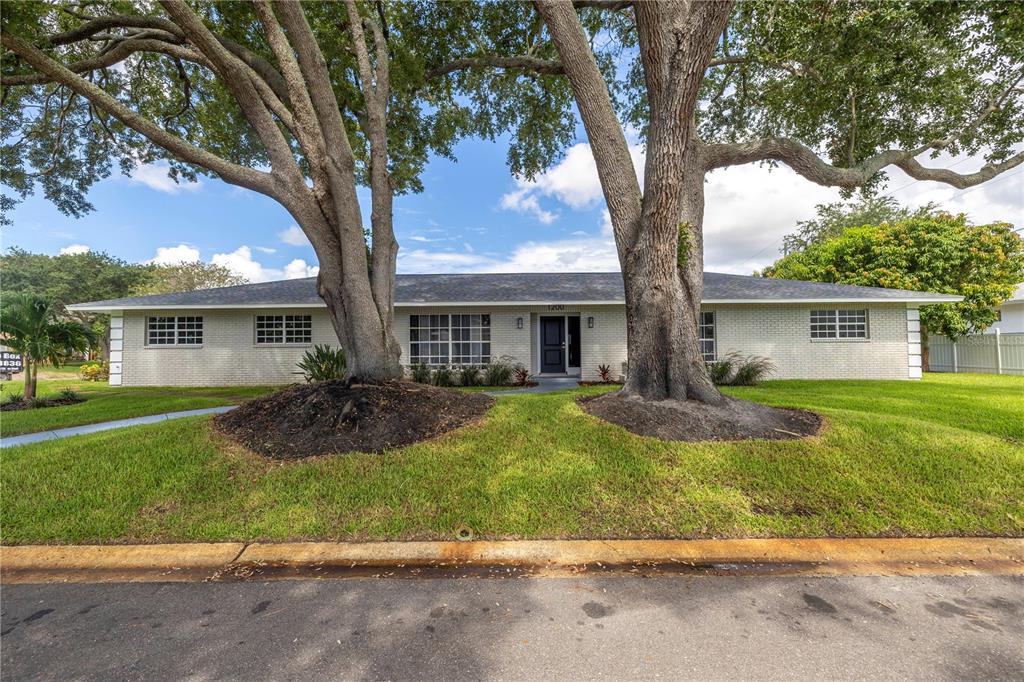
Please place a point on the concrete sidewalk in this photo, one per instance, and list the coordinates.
(779, 556)
(38, 437)
(544, 385)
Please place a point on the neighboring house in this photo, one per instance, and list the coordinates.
(551, 323)
(1011, 315)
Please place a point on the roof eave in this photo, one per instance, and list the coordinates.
(88, 308)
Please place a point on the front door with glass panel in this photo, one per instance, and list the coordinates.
(552, 345)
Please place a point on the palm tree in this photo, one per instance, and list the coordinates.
(32, 325)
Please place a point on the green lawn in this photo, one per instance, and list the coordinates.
(104, 403)
(944, 456)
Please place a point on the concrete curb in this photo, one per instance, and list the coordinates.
(233, 560)
(115, 563)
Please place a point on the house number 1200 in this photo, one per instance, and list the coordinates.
(556, 307)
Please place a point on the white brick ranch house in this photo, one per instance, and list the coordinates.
(552, 323)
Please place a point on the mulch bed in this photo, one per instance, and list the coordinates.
(690, 420)
(329, 417)
(38, 403)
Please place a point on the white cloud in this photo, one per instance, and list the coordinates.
(172, 255)
(298, 269)
(572, 181)
(264, 249)
(524, 200)
(74, 249)
(294, 236)
(606, 223)
(421, 260)
(999, 199)
(749, 209)
(154, 176)
(241, 262)
(593, 254)
(579, 253)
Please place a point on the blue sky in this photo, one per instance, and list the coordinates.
(472, 216)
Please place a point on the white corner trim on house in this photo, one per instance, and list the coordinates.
(914, 343)
(116, 349)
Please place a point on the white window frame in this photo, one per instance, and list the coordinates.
(839, 324)
(304, 322)
(179, 328)
(706, 322)
(443, 350)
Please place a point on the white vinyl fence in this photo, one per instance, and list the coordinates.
(986, 353)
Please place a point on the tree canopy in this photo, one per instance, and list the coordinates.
(70, 278)
(164, 279)
(941, 253)
(61, 142)
(833, 219)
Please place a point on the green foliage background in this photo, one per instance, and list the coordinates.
(941, 253)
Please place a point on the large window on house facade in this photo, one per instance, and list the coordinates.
(707, 335)
(174, 331)
(839, 324)
(283, 329)
(450, 339)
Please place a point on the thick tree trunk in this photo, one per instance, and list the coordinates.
(372, 351)
(664, 279)
(662, 285)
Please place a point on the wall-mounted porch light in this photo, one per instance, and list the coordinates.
(519, 323)
(590, 323)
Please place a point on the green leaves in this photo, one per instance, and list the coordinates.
(854, 78)
(32, 326)
(938, 252)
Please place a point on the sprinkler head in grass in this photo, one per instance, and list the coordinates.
(463, 533)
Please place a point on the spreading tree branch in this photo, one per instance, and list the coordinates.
(94, 26)
(228, 171)
(807, 163)
(375, 82)
(610, 5)
(114, 56)
(523, 62)
(235, 76)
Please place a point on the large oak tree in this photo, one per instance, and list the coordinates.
(837, 91)
(300, 102)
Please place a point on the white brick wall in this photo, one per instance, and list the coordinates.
(781, 332)
(229, 354)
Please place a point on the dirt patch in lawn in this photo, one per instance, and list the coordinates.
(689, 420)
(329, 417)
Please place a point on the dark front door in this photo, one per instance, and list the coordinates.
(552, 345)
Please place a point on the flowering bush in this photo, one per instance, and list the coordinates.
(95, 371)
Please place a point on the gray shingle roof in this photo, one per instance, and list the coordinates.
(569, 287)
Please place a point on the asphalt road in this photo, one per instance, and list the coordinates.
(614, 627)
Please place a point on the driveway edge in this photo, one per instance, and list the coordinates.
(775, 556)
